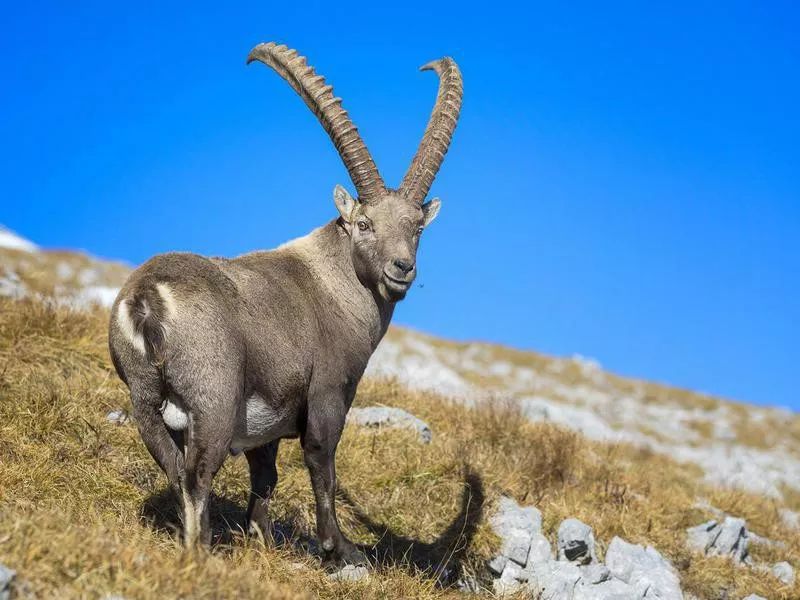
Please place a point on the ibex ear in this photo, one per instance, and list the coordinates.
(430, 210)
(344, 202)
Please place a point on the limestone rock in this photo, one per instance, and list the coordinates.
(118, 417)
(728, 538)
(612, 589)
(6, 577)
(382, 416)
(554, 580)
(576, 542)
(349, 573)
(784, 573)
(645, 569)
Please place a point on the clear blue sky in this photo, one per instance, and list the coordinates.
(624, 182)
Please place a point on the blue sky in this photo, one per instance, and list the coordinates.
(624, 182)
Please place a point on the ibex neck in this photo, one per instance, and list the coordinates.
(326, 251)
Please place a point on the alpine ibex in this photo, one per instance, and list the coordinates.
(230, 355)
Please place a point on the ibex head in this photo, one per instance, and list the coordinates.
(384, 225)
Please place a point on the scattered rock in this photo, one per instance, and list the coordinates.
(118, 417)
(631, 572)
(728, 538)
(382, 416)
(645, 569)
(790, 518)
(349, 573)
(6, 577)
(576, 542)
(509, 580)
(497, 564)
(510, 516)
(595, 573)
(554, 580)
(784, 573)
(540, 550)
(754, 538)
(755, 597)
(516, 526)
(611, 589)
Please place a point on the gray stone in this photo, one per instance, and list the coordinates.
(119, 417)
(701, 537)
(754, 538)
(382, 416)
(6, 577)
(790, 518)
(540, 550)
(511, 516)
(595, 573)
(497, 564)
(784, 573)
(576, 542)
(516, 545)
(612, 589)
(554, 580)
(755, 597)
(645, 569)
(732, 539)
(349, 573)
(509, 580)
(728, 538)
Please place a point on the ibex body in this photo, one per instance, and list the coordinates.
(223, 356)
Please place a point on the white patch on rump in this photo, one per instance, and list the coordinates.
(125, 322)
(169, 300)
(174, 414)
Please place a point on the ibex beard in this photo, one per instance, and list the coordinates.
(227, 356)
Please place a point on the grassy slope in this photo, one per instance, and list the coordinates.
(83, 511)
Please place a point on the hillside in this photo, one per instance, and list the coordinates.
(84, 513)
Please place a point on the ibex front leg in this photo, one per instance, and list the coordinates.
(326, 417)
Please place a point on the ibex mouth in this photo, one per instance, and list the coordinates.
(396, 288)
(397, 283)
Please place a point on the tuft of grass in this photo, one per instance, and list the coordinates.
(84, 511)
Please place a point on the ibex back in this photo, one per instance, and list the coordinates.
(223, 356)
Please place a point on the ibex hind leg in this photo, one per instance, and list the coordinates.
(208, 441)
(263, 480)
(146, 398)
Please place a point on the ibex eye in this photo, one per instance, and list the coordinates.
(362, 225)
(419, 231)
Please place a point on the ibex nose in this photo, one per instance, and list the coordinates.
(404, 265)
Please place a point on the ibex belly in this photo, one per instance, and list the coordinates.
(260, 424)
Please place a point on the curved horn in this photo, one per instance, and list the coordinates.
(320, 99)
(419, 177)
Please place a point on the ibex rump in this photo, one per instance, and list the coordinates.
(232, 355)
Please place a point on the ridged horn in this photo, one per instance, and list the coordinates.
(419, 177)
(320, 99)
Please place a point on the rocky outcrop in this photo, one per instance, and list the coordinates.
(726, 538)
(730, 537)
(651, 575)
(526, 562)
(382, 416)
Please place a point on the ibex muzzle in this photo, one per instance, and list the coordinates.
(226, 356)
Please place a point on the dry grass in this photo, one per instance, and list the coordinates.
(83, 511)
